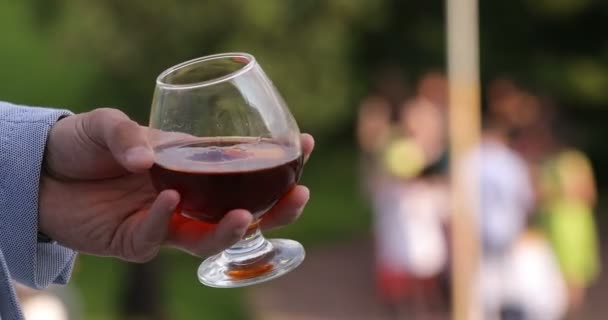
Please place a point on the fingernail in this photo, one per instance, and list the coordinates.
(140, 156)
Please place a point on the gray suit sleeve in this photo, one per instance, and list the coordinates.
(23, 135)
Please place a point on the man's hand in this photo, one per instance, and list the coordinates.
(96, 196)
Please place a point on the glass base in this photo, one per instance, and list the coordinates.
(279, 257)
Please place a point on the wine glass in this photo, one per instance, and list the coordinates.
(225, 139)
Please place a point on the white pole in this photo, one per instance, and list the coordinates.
(464, 132)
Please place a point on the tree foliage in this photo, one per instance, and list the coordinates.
(305, 46)
(321, 53)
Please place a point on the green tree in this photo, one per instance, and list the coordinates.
(305, 46)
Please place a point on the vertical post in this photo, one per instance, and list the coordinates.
(464, 132)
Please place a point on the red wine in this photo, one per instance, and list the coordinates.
(216, 175)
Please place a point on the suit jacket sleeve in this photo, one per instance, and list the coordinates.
(23, 135)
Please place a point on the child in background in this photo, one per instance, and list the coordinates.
(412, 251)
(568, 199)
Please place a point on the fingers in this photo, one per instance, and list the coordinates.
(153, 229)
(228, 232)
(287, 210)
(204, 239)
(308, 144)
(125, 139)
(290, 207)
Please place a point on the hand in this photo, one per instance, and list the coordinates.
(96, 196)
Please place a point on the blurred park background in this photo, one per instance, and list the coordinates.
(323, 57)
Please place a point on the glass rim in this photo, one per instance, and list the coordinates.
(229, 76)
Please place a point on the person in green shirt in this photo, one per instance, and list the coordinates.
(566, 200)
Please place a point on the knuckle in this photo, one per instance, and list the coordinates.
(104, 122)
(108, 113)
(124, 128)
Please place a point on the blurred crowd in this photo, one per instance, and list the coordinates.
(536, 200)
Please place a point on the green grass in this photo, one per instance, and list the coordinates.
(335, 212)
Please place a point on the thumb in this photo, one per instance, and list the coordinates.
(154, 227)
(123, 137)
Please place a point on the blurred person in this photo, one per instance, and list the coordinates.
(376, 128)
(568, 196)
(506, 200)
(511, 103)
(411, 251)
(423, 121)
(426, 122)
(532, 285)
(433, 86)
(423, 211)
(373, 131)
(564, 188)
(423, 126)
(414, 166)
(507, 196)
(80, 183)
(376, 118)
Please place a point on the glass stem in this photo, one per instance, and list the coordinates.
(251, 248)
